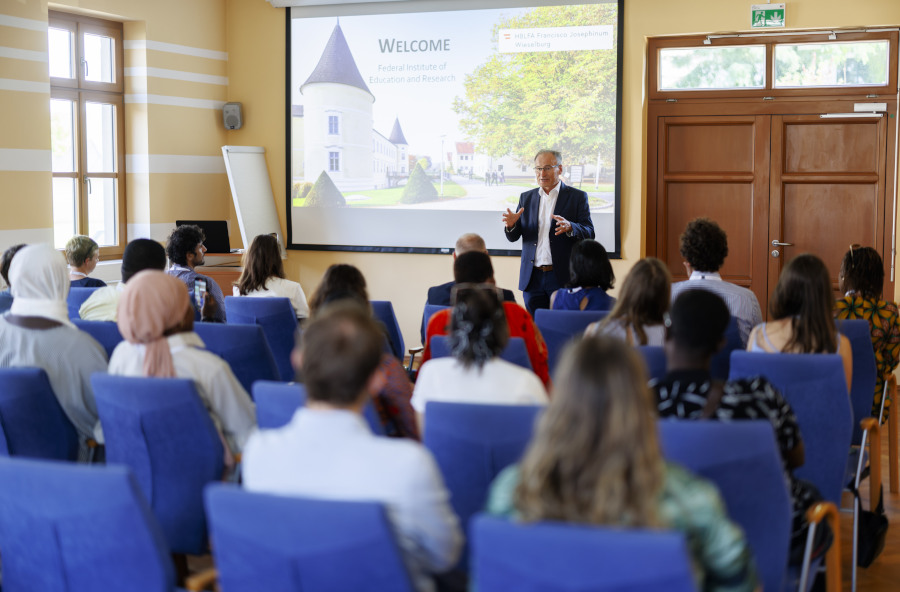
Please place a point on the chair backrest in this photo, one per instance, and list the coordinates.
(515, 351)
(76, 298)
(32, 422)
(78, 528)
(384, 312)
(722, 359)
(430, 311)
(161, 430)
(865, 372)
(276, 403)
(244, 347)
(105, 332)
(545, 556)
(269, 542)
(278, 321)
(815, 387)
(472, 443)
(742, 459)
(559, 327)
(655, 359)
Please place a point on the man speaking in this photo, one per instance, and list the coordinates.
(550, 220)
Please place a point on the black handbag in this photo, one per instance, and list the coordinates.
(873, 527)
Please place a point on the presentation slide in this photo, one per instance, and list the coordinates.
(410, 129)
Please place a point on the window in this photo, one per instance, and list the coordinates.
(334, 161)
(852, 63)
(86, 126)
(708, 68)
(333, 124)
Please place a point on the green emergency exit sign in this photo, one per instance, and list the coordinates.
(767, 16)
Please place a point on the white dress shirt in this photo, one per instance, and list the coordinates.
(542, 255)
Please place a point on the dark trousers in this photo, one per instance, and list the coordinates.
(537, 293)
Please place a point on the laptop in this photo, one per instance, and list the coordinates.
(216, 232)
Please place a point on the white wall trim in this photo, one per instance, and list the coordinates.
(198, 52)
(174, 163)
(173, 101)
(25, 86)
(22, 159)
(145, 72)
(23, 23)
(23, 54)
(29, 236)
(158, 232)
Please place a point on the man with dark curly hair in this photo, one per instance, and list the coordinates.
(185, 251)
(704, 246)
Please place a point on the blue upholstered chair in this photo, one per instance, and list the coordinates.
(384, 312)
(515, 351)
(276, 403)
(742, 459)
(472, 444)
(277, 543)
(655, 359)
(78, 528)
(557, 557)
(278, 321)
(32, 423)
(430, 311)
(105, 332)
(722, 359)
(815, 387)
(559, 327)
(76, 298)
(244, 347)
(161, 430)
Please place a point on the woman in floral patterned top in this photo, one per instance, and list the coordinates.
(862, 280)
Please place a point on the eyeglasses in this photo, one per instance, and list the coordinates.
(545, 169)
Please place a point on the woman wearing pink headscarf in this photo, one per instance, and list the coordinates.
(156, 319)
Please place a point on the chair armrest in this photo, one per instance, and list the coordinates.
(412, 356)
(816, 514)
(870, 424)
(891, 393)
(204, 580)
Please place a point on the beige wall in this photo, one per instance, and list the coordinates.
(243, 41)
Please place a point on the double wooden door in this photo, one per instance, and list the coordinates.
(778, 184)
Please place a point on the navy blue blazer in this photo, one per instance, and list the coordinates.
(571, 204)
(440, 296)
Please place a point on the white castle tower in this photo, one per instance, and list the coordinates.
(399, 140)
(337, 109)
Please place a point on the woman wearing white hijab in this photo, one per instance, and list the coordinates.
(37, 332)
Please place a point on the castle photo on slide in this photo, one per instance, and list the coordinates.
(445, 111)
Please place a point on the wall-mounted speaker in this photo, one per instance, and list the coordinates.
(231, 115)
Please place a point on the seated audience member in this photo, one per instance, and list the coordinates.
(37, 332)
(475, 268)
(140, 254)
(595, 459)
(643, 302)
(186, 251)
(704, 246)
(476, 373)
(83, 254)
(156, 319)
(697, 331)
(263, 275)
(327, 450)
(440, 295)
(590, 276)
(6, 298)
(861, 279)
(392, 399)
(801, 308)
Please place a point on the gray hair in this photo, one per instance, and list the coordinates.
(470, 242)
(556, 154)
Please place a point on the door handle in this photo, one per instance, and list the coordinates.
(777, 243)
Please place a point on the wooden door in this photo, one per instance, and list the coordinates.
(717, 167)
(827, 188)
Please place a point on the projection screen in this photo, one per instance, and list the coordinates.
(411, 123)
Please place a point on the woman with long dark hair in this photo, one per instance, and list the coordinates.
(263, 275)
(637, 317)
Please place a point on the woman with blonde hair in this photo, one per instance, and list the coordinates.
(263, 275)
(83, 254)
(595, 459)
(643, 302)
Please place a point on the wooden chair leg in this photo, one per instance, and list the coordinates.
(874, 442)
(822, 512)
(893, 444)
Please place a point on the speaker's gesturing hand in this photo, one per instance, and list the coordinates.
(510, 218)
